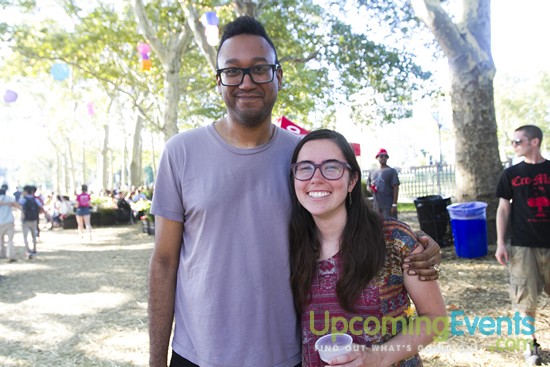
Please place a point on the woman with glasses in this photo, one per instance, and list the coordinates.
(346, 263)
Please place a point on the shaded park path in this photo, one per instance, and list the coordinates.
(85, 303)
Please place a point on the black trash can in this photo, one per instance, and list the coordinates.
(433, 217)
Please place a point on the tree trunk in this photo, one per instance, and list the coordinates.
(136, 172)
(124, 172)
(70, 169)
(84, 175)
(170, 55)
(105, 158)
(478, 165)
(172, 94)
(467, 45)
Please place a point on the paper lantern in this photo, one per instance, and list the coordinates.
(211, 18)
(91, 110)
(10, 96)
(146, 64)
(211, 32)
(210, 22)
(143, 48)
(60, 71)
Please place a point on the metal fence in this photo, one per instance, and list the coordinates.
(426, 180)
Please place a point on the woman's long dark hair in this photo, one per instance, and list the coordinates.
(362, 244)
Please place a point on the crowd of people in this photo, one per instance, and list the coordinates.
(38, 211)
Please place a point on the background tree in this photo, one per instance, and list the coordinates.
(100, 48)
(466, 42)
(325, 62)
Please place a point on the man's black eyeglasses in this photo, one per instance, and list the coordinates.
(331, 170)
(383, 156)
(259, 74)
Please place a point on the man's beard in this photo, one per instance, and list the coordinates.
(251, 117)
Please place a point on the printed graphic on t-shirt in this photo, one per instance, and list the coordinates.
(538, 198)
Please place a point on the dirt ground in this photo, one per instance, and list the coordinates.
(83, 303)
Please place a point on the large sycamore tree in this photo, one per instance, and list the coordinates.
(464, 37)
(466, 42)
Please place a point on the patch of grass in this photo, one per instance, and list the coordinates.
(406, 207)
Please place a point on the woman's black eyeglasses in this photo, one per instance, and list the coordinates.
(330, 170)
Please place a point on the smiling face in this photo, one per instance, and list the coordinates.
(248, 103)
(321, 197)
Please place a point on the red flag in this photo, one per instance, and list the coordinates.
(356, 149)
(286, 124)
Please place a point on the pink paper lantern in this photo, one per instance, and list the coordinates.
(143, 48)
(91, 110)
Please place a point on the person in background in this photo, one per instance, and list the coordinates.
(7, 226)
(383, 183)
(124, 212)
(524, 197)
(31, 207)
(219, 266)
(17, 194)
(83, 212)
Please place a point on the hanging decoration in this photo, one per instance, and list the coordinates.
(91, 110)
(60, 71)
(286, 124)
(210, 22)
(144, 51)
(10, 96)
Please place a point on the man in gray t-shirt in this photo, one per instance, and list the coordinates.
(383, 183)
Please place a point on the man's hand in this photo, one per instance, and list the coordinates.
(426, 263)
(502, 255)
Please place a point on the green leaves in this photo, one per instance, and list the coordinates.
(327, 61)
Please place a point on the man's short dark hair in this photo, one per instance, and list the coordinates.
(245, 25)
(531, 131)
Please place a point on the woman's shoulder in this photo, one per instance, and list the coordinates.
(399, 235)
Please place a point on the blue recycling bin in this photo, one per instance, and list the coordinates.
(469, 227)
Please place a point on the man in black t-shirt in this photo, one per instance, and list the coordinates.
(524, 192)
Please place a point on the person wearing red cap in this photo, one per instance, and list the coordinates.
(384, 186)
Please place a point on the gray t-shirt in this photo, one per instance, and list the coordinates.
(234, 303)
(384, 179)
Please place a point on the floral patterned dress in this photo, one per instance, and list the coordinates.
(384, 297)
